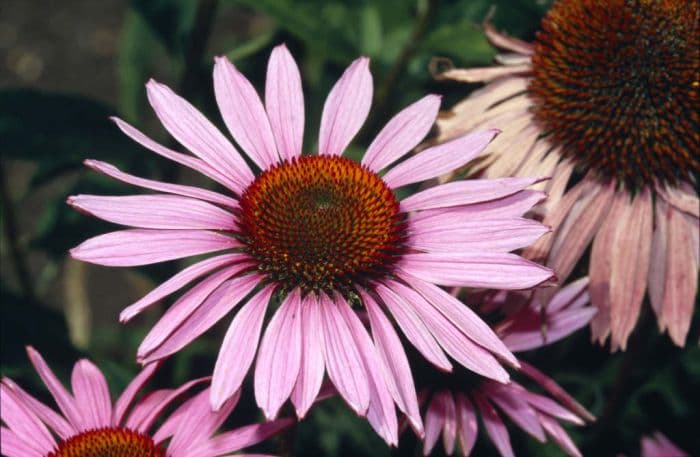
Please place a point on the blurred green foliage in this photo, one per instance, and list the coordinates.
(655, 387)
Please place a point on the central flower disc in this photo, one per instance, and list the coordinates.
(111, 442)
(616, 83)
(321, 223)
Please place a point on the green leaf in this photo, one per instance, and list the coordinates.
(170, 20)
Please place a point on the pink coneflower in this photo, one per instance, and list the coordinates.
(317, 235)
(605, 102)
(90, 424)
(453, 402)
(657, 445)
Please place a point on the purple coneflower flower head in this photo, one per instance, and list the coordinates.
(89, 423)
(604, 100)
(320, 235)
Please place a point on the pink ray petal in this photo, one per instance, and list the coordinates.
(394, 357)
(660, 253)
(494, 426)
(177, 189)
(567, 295)
(514, 406)
(559, 326)
(24, 423)
(485, 74)
(450, 338)
(683, 197)
(681, 282)
(221, 302)
(225, 443)
(503, 41)
(48, 416)
(465, 192)
(244, 114)
(342, 356)
(512, 206)
(413, 327)
(180, 311)
(12, 445)
(559, 436)
(346, 108)
(64, 400)
(91, 395)
(434, 421)
(494, 270)
(189, 127)
(238, 348)
(284, 101)
(155, 211)
(279, 358)
(127, 397)
(468, 425)
(312, 367)
(178, 281)
(127, 248)
(146, 411)
(439, 159)
(194, 163)
(466, 320)
(402, 133)
(548, 406)
(449, 431)
(659, 446)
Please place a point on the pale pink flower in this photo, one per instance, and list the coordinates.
(317, 235)
(657, 445)
(605, 102)
(453, 402)
(88, 419)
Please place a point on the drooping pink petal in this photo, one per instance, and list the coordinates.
(381, 413)
(177, 189)
(567, 295)
(660, 253)
(559, 436)
(494, 426)
(279, 358)
(558, 326)
(212, 310)
(439, 159)
(284, 101)
(312, 367)
(238, 348)
(494, 270)
(225, 443)
(515, 407)
(683, 197)
(449, 430)
(512, 206)
(465, 192)
(504, 41)
(64, 400)
(192, 162)
(47, 415)
(188, 126)
(346, 108)
(179, 280)
(342, 357)
(127, 397)
(491, 235)
(450, 338)
(128, 248)
(468, 425)
(485, 74)
(91, 395)
(394, 357)
(547, 405)
(155, 211)
(681, 282)
(434, 421)
(147, 411)
(402, 133)
(462, 317)
(182, 309)
(12, 445)
(23, 423)
(413, 327)
(244, 114)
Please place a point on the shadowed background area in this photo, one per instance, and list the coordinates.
(65, 67)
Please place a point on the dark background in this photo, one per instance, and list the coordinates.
(66, 66)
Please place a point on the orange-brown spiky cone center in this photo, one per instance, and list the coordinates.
(321, 223)
(616, 84)
(108, 442)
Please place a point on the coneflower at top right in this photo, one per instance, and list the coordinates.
(605, 101)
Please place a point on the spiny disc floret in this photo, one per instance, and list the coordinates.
(616, 85)
(321, 223)
(110, 441)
